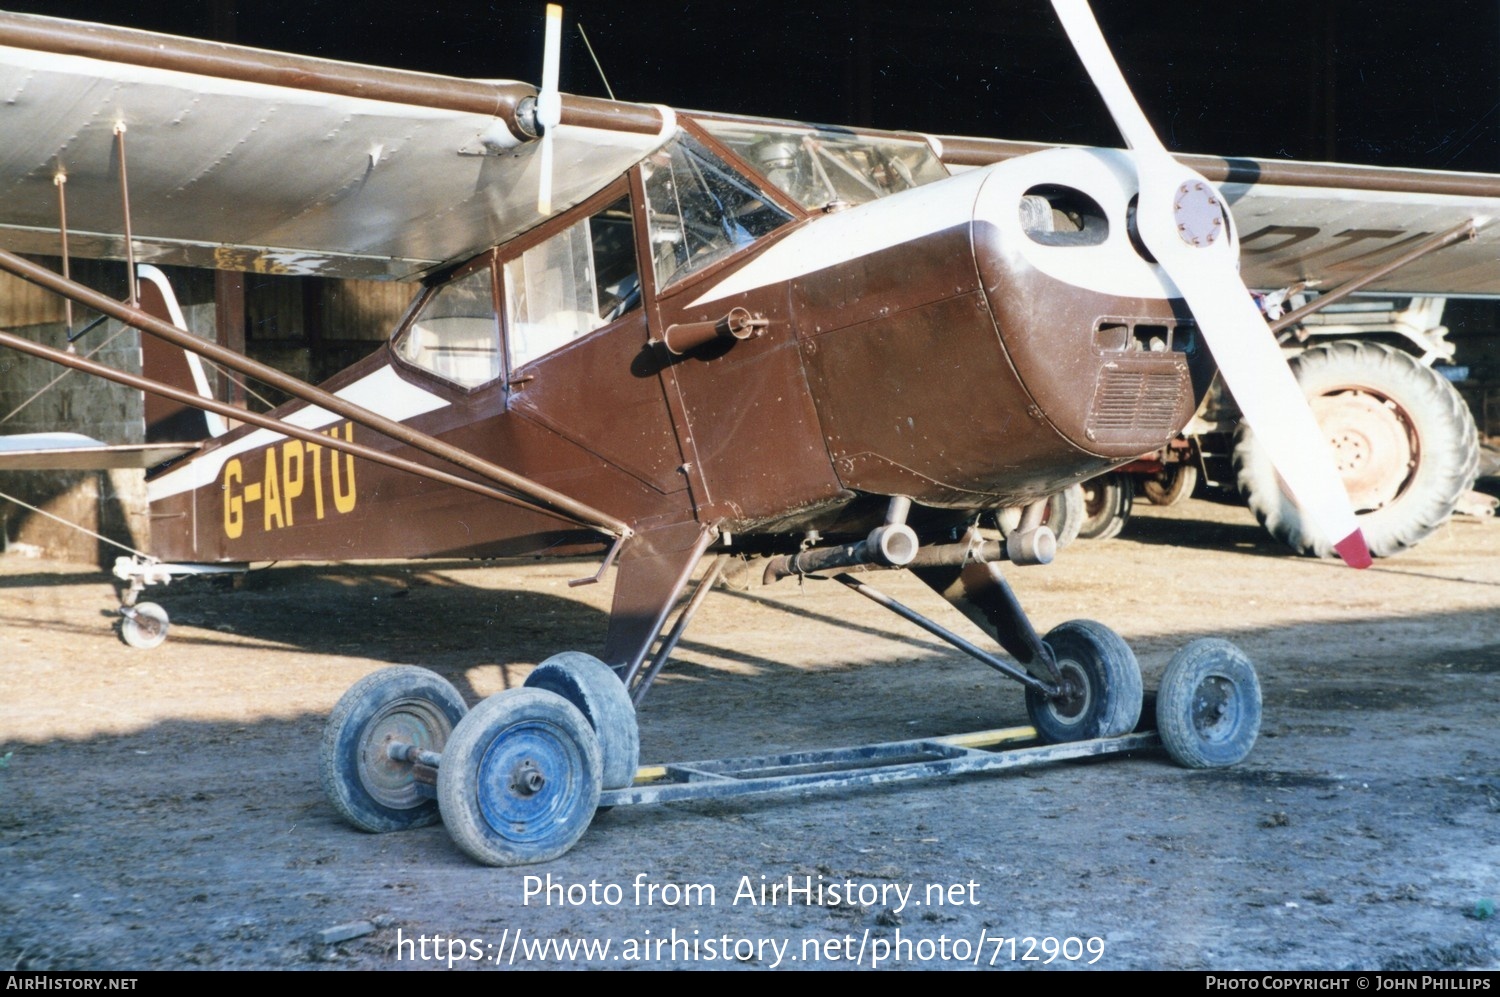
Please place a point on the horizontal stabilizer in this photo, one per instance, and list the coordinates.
(76, 452)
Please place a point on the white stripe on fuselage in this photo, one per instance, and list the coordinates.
(858, 231)
(380, 391)
(991, 195)
(215, 421)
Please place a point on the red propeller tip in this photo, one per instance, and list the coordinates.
(1354, 551)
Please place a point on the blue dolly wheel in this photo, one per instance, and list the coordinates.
(600, 696)
(1208, 707)
(520, 778)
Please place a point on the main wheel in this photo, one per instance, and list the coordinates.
(520, 778)
(1403, 438)
(144, 626)
(371, 790)
(1065, 514)
(1170, 485)
(1101, 693)
(601, 697)
(1107, 501)
(1208, 706)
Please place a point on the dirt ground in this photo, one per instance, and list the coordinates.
(161, 810)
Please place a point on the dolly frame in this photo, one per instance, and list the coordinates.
(864, 765)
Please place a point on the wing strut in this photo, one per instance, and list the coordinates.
(1468, 230)
(60, 181)
(542, 497)
(131, 279)
(168, 452)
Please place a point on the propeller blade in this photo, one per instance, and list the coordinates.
(544, 181)
(1184, 224)
(549, 104)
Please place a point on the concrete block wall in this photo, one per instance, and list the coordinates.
(37, 396)
(42, 397)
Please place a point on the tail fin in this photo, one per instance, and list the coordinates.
(167, 420)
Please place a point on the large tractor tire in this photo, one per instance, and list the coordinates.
(1403, 438)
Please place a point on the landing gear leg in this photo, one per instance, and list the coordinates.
(1089, 680)
(981, 593)
(143, 625)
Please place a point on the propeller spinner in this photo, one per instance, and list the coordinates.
(1184, 224)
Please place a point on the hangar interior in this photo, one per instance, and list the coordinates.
(1346, 88)
(309, 327)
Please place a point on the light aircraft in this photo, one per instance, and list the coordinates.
(666, 338)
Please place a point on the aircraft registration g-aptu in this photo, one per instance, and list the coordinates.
(666, 338)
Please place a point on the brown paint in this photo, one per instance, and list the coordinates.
(920, 370)
(943, 369)
(965, 151)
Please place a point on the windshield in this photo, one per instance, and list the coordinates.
(700, 209)
(816, 167)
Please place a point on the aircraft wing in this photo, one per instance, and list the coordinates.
(1330, 222)
(76, 452)
(242, 159)
(1329, 234)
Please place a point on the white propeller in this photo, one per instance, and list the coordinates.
(1184, 224)
(549, 105)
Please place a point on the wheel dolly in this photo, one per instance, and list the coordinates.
(518, 778)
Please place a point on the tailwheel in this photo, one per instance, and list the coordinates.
(144, 625)
(1101, 685)
(597, 692)
(404, 705)
(520, 778)
(1208, 707)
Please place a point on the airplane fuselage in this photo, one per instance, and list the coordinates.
(979, 341)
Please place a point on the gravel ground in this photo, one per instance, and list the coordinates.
(161, 810)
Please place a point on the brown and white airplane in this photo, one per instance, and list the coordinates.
(663, 337)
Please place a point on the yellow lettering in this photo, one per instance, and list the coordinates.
(343, 500)
(291, 485)
(316, 450)
(234, 506)
(272, 494)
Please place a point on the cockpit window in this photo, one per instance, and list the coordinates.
(456, 335)
(700, 209)
(579, 280)
(816, 167)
